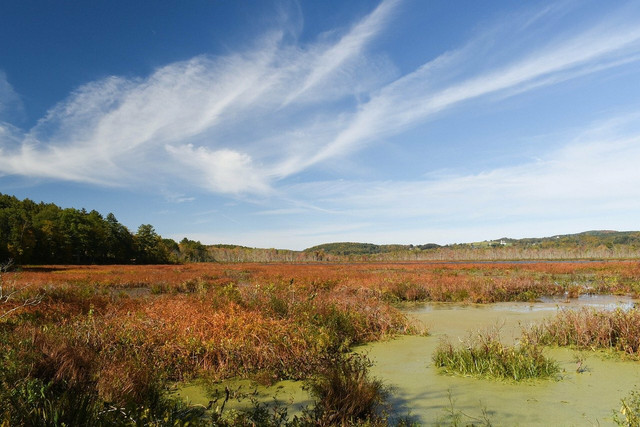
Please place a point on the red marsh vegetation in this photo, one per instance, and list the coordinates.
(119, 335)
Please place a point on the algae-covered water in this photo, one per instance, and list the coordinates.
(586, 398)
(581, 398)
(245, 393)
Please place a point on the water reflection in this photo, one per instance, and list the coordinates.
(553, 303)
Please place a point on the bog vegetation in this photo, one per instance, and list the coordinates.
(590, 329)
(106, 346)
(485, 356)
(106, 342)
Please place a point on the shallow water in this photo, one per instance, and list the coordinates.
(284, 393)
(587, 398)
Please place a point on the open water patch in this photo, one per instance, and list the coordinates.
(588, 392)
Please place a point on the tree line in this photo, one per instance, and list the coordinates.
(44, 233)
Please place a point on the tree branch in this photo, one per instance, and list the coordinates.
(6, 296)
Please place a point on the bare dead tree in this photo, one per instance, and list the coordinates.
(6, 266)
(9, 295)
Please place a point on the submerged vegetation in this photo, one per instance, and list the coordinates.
(485, 356)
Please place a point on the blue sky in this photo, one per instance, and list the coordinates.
(289, 124)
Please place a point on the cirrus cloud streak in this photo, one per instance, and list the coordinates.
(250, 122)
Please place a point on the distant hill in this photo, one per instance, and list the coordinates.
(593, 239)
(352, 248)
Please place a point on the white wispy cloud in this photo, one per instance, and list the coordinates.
(224, 171)
(591, 175)
(324, 65)
(244, 122)
(218, 116)
(590, 182)
(9, 99)
(413, 98)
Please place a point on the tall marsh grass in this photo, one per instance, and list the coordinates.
(464, 282)
(486, 356)
(122, 351)
(588, 328)
(345, 393)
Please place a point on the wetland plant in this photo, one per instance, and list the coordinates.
(592, 329)
(345, 393)
(486, 356)
(629, 413)
(455, 417)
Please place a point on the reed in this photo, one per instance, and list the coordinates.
(485, 356)
(468, 282)
(345, 393)
(120, 350)
(592, 329)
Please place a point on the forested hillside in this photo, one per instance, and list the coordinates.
(587, 245)
(44, 233)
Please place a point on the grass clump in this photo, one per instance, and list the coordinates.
(486, 357)
(345, 393)
(592, 329)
